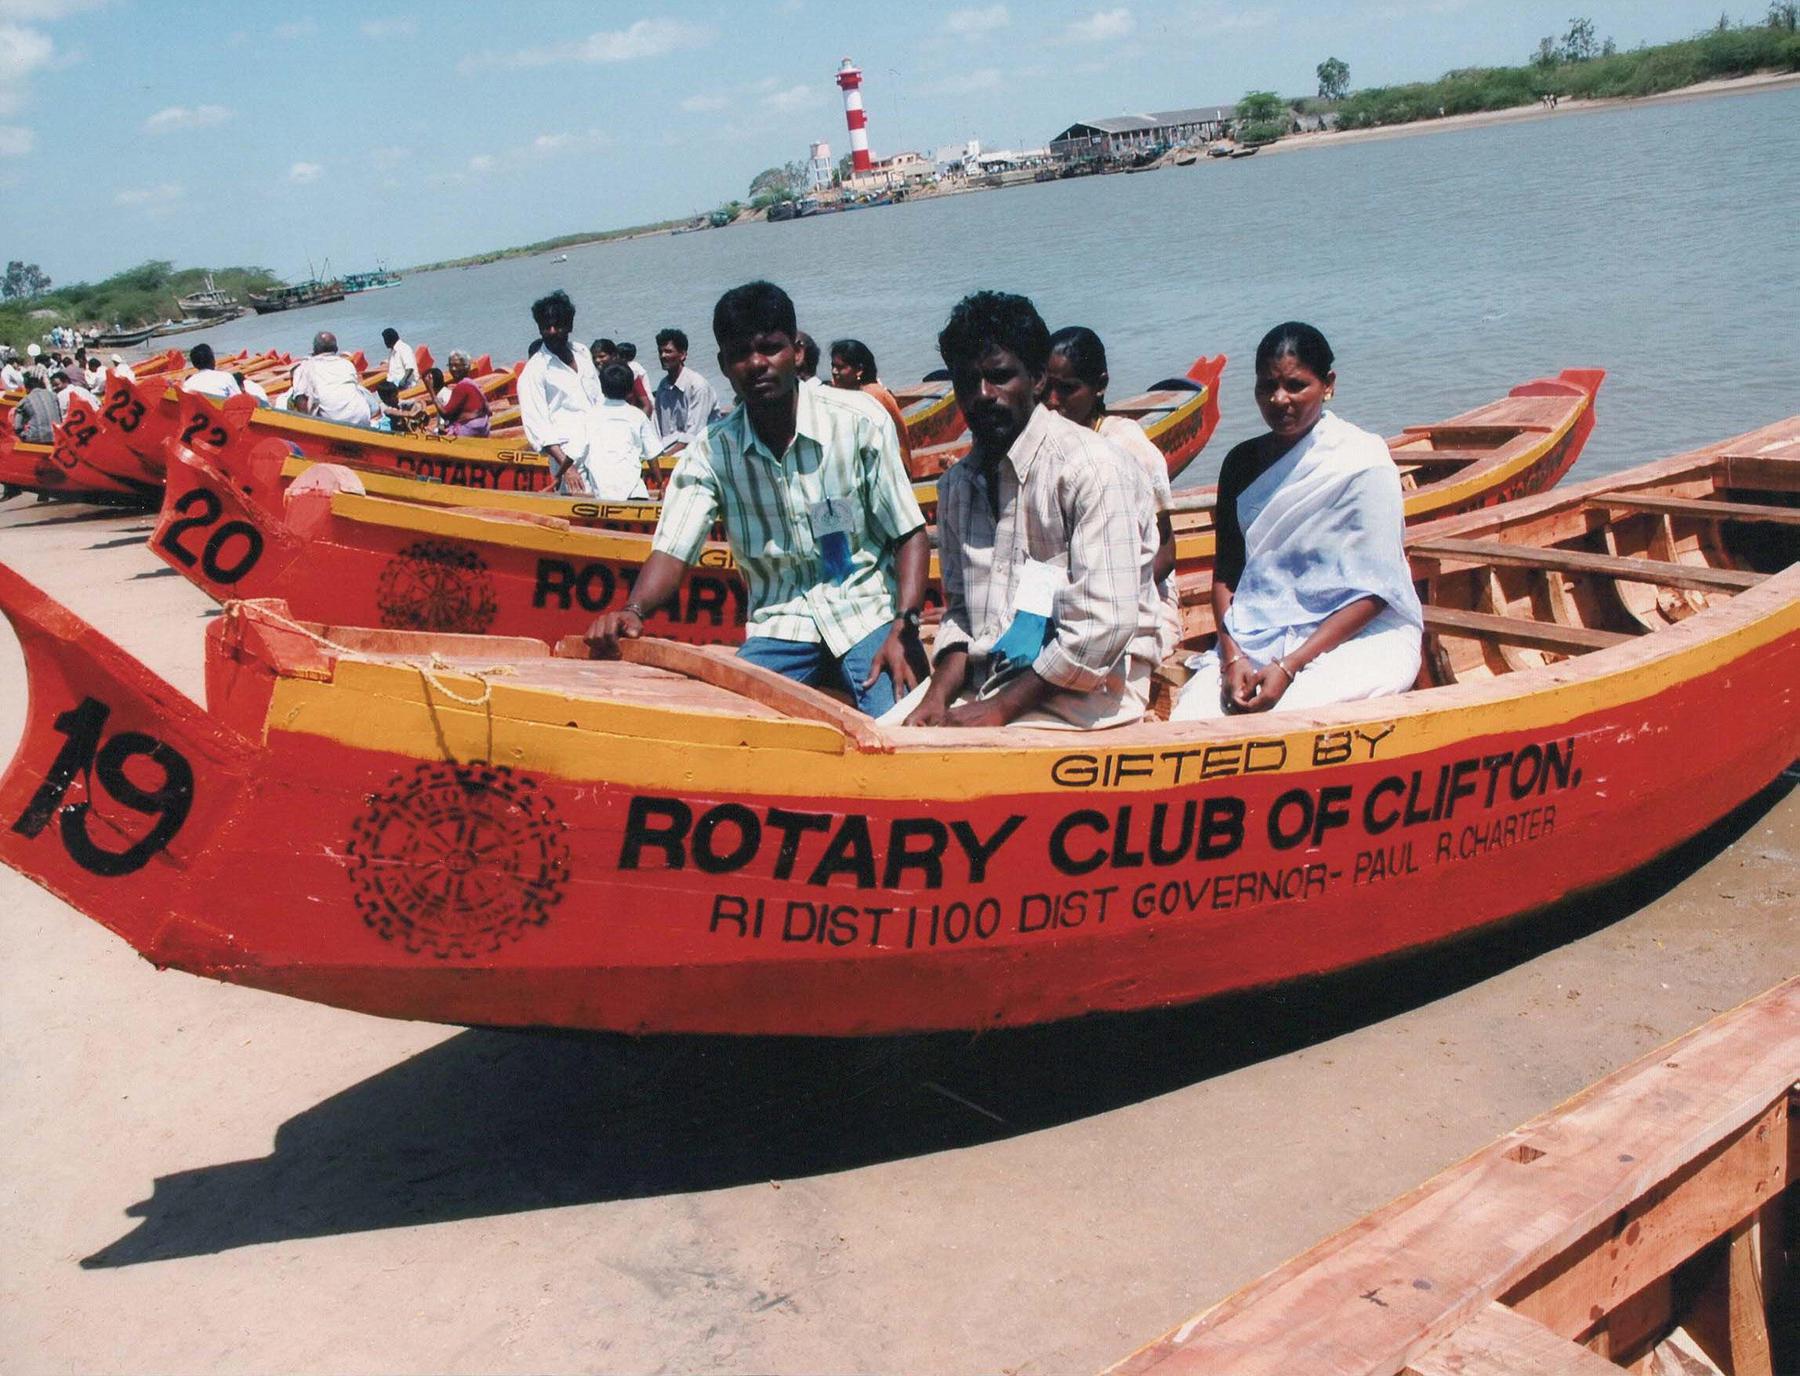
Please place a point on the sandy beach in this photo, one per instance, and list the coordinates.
(1744, 85)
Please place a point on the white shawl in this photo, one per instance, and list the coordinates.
(1322, 527)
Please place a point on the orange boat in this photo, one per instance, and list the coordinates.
(482, 831)
(341, 551)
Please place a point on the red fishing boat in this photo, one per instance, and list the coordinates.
(350, 549)
(1178, 414)
(481, 830)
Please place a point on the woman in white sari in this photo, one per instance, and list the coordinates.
(1311, 591)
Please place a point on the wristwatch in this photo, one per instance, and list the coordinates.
(910, 619)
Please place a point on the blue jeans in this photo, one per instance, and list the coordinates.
(811, 662)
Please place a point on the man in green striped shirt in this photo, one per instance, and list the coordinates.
(819, 511)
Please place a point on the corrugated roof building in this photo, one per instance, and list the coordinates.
(1123, 134)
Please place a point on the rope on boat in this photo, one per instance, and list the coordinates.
(428, 672)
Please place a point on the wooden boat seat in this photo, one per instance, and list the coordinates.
(745, 682)
(1698, 507)
(1657, 571)
(1514, 630)
(1443, 458)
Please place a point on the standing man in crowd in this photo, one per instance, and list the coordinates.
(1046, 542)
(559, 394)
(403, 363)
(684, 399)
(818, 510)
(12, 376)
(328, 386)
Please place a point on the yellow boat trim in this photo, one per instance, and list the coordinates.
(388, 708)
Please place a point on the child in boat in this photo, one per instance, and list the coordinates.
(1075, 387)
(1312, 594)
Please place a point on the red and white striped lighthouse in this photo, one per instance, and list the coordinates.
(849, 80)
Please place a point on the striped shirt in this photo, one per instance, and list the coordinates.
(1066, 498)
(767, 502)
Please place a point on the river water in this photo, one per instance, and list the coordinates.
(1661, 243)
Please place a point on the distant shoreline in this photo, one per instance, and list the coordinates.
(1739, 85)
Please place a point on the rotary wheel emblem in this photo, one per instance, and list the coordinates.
(431, 586)
(457, 860)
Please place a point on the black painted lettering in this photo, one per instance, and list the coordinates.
(656, 824)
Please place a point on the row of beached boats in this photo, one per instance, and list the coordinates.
(412, 792)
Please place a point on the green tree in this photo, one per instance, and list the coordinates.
(774, 184)
(1334, 79)
(1547, 54)
(1784, 15)
(1261, 117)
(23, 281)
(1578, 43)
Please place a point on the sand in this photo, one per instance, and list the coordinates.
(203, 1178)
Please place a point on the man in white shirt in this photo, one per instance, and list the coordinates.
(12, 376)
(207, 378)
(623, 441)
(92, 372)
(252, 388)
(684, 399)
(403, 363)
(68, 390)
(122, 368)
(559, 393)
(328, 386)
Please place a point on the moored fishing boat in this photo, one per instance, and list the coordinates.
(313, 293)
(1178, 415)
(546, 564)
(117, 338)
(484, 831)
(354, 282)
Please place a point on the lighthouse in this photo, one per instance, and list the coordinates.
(849, 80)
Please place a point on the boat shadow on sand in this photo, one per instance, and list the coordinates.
(496, 1122)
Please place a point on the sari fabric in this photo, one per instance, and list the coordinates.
(1322, 527)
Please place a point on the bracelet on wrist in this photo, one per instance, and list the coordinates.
(637, 610)
(1281, 664)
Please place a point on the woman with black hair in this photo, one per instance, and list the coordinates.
(1075, 387)
(1312, 594)
(853, 370)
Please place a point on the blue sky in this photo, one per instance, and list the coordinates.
(242, 133)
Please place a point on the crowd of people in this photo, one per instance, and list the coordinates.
(1054, 535)
(50, 381)
(1054, 538)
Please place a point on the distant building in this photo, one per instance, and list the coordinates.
(902, 169)
(819, 168)
(1125, 134)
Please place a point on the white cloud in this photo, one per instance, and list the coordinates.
(151, 198)
(181, 117)
(390, 155)
(550, 143)
(22, 52)
(46, 11)
(303, 172)
(793, 98)
(389, 28)
(976, 22)
(16, 142)
(1102, 26)
(481, 164)
(695, 105)
(299, 28)
(644, 39)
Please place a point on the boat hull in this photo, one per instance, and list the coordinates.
(405, 841)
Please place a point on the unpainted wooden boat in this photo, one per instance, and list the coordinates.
(1644, 1225)
(549, 564)
(485, 831)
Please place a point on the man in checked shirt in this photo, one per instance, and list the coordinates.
(1046, 542)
